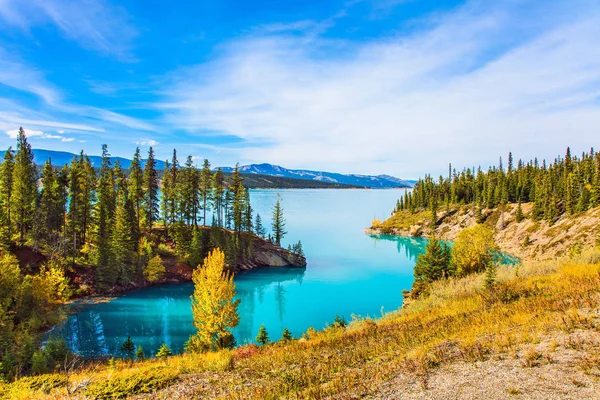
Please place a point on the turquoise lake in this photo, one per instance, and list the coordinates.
(348, 273)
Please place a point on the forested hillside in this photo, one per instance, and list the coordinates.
(83, 230)
(566, 185)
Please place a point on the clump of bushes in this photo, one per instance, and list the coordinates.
(124, 384)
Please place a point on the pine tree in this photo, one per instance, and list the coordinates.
(490, 275)
(189, 193)
(239, 199)
(48, 199)
(164, 351)
(139, 353)
(286, 335)
(205, 188)
(6, 183)
(258, 227)
(104, 214)
(262, 337)
(278, 223)
(214, 306)
(432, 265)
(128, 348)
(519, 216)
(136, 186)
(24, 187)
(125, 234)
(218, 195)
(150, 191)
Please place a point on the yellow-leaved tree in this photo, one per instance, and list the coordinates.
(473, 250)
(214, 306)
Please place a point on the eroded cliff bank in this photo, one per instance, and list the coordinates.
(526, 239)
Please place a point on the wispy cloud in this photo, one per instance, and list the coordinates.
(14, 73)
(147, 142)
(32, 133)
(464, 87)
(94, 24)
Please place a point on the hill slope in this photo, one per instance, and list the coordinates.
(527, 239)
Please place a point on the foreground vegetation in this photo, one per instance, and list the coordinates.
(458, 320)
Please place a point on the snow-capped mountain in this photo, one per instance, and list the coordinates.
(370, 181)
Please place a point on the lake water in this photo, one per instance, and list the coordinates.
(348, 273)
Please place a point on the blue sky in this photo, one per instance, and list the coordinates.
(401, 87)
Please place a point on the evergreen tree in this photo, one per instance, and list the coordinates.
(104, 214)
(262, 337)
(125, 235)
(218, 195)
(205, 188)
(432, 265)
(136, 184)
(239, 199)
(139, 353)
(24, 186)
(519, 216)
(6, 184)
(49, 201)
(164, 351)
(128, 348)
(150, 191)
(189, 190)
(490, 275)
(286, 335)
(259, 228)
(278, 223)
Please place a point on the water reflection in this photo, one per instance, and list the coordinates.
(410, 247)
(163, 314)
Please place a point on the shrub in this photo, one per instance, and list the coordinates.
(473, 250)
(164, 250)
(126, 384)
(39, 364)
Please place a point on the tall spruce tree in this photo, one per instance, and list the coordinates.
(104, 214)
(24, 186)
(278, 223)
(218, 195)
(205, 188)
(136, 185)
(150, 191)
(6, 183)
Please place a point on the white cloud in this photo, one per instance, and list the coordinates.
(31, 133)
(465, 87)
(61, 131)
(94, 24)
(147, 142)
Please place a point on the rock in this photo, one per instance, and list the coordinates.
(266, 254)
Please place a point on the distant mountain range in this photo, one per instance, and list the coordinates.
(62, 157)
(370, 181)
(323, 178)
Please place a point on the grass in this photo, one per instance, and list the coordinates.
(458, 321)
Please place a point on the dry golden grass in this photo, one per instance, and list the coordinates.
(458, 321)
